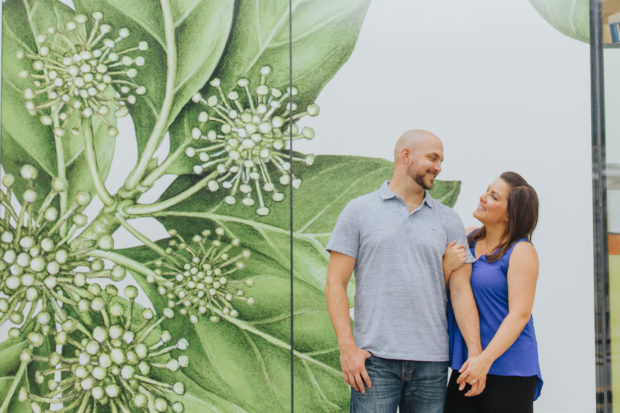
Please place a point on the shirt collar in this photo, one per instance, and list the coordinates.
(386, 193)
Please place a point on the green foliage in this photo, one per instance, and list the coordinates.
(323, 37)
(185, 39)
(570, 17)
(246, 360)
(15, 406)
(10, 350)
(197, 399)
(24, 138)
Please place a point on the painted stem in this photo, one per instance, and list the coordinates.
(105, 223)
(14, 384)
(61, 171)
(161, 125)
(149, 209)
(91, 160)
(125, 262)
(144, 239)
(161, 169)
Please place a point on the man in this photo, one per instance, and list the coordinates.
(394, 238)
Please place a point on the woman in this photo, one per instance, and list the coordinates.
(503, 281)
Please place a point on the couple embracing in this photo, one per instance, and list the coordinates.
(432, 295)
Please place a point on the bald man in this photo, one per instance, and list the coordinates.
(394, 238)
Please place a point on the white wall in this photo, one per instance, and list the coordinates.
(505, 91)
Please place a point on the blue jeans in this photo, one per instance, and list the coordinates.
(413, 386)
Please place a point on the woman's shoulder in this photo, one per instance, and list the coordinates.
(524, 249)
(524, 260)
(469, 230)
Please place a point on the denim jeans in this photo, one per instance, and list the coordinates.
(413, 386)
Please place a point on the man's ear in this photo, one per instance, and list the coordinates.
(405, 155)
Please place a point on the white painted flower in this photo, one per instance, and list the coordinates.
(244, 134)
(38, 269)
(80, 71)
(114, 363)
(198, 277)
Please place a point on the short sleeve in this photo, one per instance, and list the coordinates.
(345, 237)
(456, 232)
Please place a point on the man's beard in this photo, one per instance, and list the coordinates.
(419, 178)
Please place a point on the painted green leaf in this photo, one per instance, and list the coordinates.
(24, 138)
(323, 38)
(185, 38)
(247, 360)
(570, 17)
(196, 399)
(9, 355)
(15, 405)
(10, 350)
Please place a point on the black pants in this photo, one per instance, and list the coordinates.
(502, 394)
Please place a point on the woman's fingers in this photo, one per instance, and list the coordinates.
(476, 388)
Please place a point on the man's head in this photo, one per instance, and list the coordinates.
(418, 155)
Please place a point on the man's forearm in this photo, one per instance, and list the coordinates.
(465, 310)
(338, 308)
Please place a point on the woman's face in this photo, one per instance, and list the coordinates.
(493, 206)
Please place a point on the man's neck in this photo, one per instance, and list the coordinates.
(409, 191)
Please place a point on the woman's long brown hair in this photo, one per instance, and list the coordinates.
(522, 215)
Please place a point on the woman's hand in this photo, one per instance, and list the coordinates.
(453, 258)
(474, 372)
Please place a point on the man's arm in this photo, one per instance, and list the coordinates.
(352, 359)
(466, 314)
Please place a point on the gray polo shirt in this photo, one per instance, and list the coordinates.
(400, 297)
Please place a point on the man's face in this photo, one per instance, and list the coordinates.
(425, 163)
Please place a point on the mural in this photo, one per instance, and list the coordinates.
(213, 78)
(206, 84)
(570, 17)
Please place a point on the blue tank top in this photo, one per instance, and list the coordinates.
(490, 287)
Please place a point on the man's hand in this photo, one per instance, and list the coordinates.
(353, 364)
